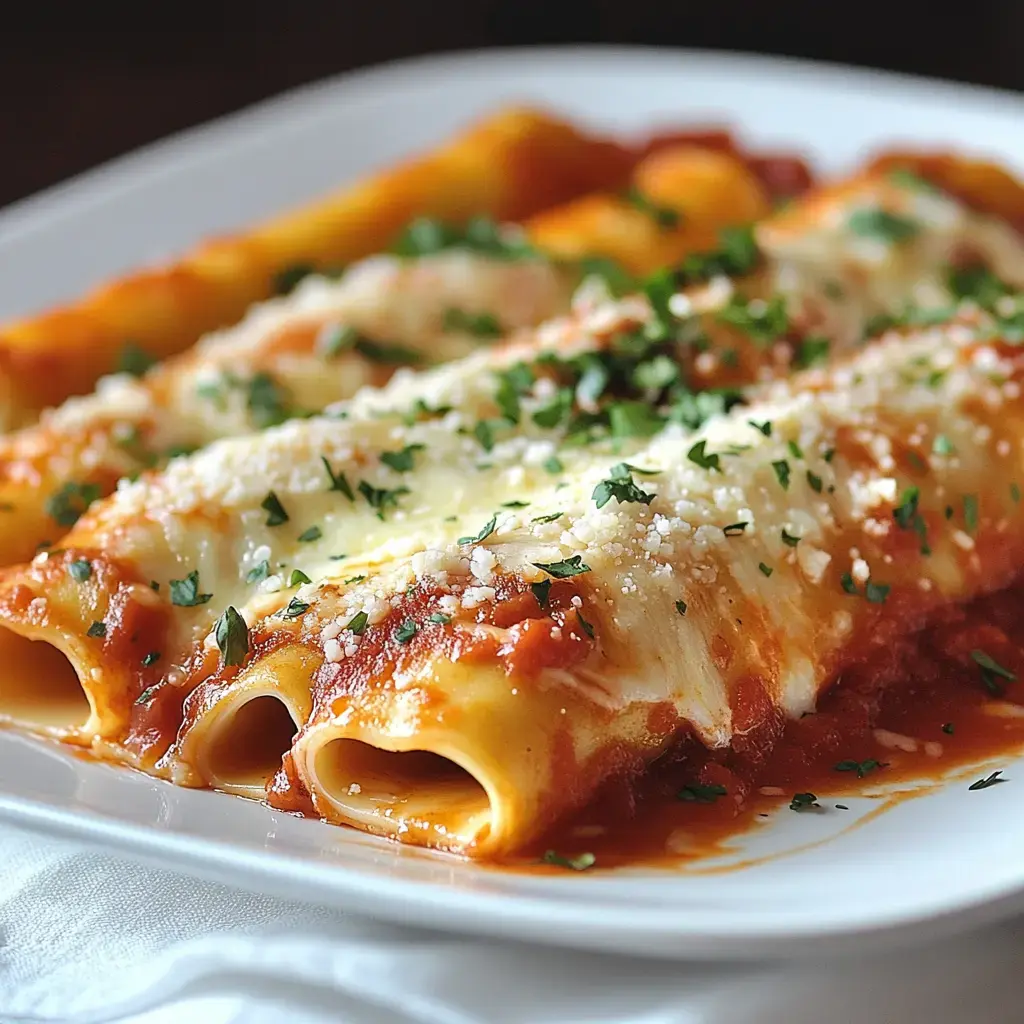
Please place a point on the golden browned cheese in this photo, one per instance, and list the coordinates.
(681, 196)
(509, 166)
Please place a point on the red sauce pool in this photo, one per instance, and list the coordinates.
(929, 689)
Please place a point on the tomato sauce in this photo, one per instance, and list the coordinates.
(927, 706)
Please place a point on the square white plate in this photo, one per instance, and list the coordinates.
(817, 883)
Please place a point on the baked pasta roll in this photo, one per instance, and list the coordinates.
(509, 166)
(521, 629)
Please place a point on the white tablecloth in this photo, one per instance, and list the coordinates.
(85, 937)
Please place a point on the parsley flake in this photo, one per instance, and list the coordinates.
(874, 222)
(259, 572)
(150, 659)
(541, 591)
(485, 531)
(949, 728)
(294, 609)
(696, 793)
(311, 534)
(339, 482)
(664, 216)
(67, 504)
(734, 529)
(789, 540)
(232, 636)
(992, 672)
(991, 780)
(814, 482)
(298, 577)
(379, 498)
(971, 513)
(554, 517)
(781, 467)
(699, 456)
(185, 593)
(401, 461)
(766, 570)
(440, 618)
(357, 624)
(860, 767)
(80, 570)
(578, 863)
(133, 360)
(804, 802)
(620, 486)
(406, 631)
(97, 629)
(481, 325)
(584, 625)
(276, 514)
(681, 607)
(565, 569)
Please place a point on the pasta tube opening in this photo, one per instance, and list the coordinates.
(245, 748)
(393, 791)
(40, 688)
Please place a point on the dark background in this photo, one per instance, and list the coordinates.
(81, 83)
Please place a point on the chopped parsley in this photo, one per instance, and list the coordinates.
(401, 461)
(814, 482)
(406, 631)
(874, 222)
(311, 534)
(681, 607)
(734, 529)
(185, 593)
(134, 360)
(765, 428)
(150, 659)
(696, 793)
(259, 572)
(563, 570)
(354, 579)
(766, 570)
(553, 517)
(147, 694)
(876, 593)
(763, 322)
(699, 456)
(482, 325)
(795, 450)
(659, 289)
(846, 581)
(67, 504)
(266, 401)
(616, 278)
(620, 486)
(781, 467)
(287, 278)
(297, 578)
(276, 514)
(97, 629)
(584, 625)
(634, 419)
(484, 433)
(991, 780)
(862, 768)
(804, 802)
(1015, 493)
(552, 464)
(971, 512)
(338, 480)
(978, 283)
(357, 624)
(295, 609)
(425, 236)
(387, 353)
(664, 216)
(949, 728)
(942, 445)
(736, 255)
(440, 618)
(80, 570)
(811, 352)
(790, 541)
(379, 498)
(555, 412)
(541, 591)
(578, 863)
(908, 517)
(232, 636)
(485, 531)
(992, 673)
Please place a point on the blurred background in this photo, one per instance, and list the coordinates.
(80, 84)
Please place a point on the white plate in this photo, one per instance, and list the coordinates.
(939, 862)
